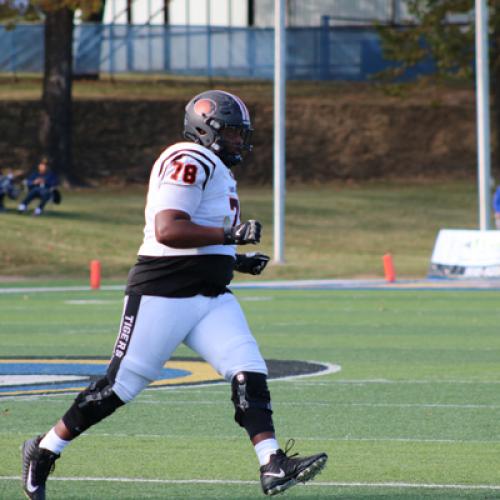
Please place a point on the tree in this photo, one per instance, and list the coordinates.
(12, 10)
(450, 45)
(56, 116)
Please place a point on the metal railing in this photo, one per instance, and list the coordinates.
(316, 53)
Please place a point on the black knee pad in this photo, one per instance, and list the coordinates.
(93, 404)
(252, 402)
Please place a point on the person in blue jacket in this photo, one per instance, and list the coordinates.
(41, 184)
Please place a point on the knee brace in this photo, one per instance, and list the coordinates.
(93, 404)
(252, 402)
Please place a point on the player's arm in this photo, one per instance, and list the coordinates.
(175, 229)
(182, 183)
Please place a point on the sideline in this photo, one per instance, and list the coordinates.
(366, 284)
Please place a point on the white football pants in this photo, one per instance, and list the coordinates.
(152, 327)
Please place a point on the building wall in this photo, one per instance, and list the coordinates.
(235, 12)
(222, 12)
(343, 12)
(181, 12)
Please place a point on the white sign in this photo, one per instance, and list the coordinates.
(460, 253)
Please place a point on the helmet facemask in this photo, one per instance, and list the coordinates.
(232, 152)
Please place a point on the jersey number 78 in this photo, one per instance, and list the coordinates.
(188, 172)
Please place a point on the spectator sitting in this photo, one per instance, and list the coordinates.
(7, 187)
(41, 184)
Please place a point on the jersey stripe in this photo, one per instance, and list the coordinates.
(203, 155)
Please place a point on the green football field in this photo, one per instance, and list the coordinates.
(414, 411)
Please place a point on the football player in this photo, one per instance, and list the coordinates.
(177, 293)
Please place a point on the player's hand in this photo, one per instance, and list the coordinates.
(251, 263)
(242, 234)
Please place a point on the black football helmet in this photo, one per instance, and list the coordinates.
(208, 114)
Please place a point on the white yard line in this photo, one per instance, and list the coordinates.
(386, 381)
(330, 403)
(361, 285)
(217, 402)
(232, 437)
(465, 487)
(421, 405)
(44, 289)
(298, 438)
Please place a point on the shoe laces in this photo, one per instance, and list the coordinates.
(288, 447)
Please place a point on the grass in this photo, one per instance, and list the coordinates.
(416, 402)
(332, 231)
(160, 86)
(164, 86)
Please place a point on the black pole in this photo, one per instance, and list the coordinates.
(166, 11)
(129, 11)
(251, 12)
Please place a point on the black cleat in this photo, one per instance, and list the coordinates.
(38, 463)
(283, 472)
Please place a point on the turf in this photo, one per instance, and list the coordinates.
(416, 403)
(332, 231)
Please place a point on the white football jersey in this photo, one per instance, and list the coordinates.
(190, 178)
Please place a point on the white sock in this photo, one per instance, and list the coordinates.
(53, 442)
(265, 449)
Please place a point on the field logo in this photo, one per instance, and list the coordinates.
(32, 376)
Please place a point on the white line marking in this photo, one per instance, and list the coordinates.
(231, 437)
(329, 403)
(419, 405)
(414, 485)
(218, 402)
(9, 380)
(44, 289)
(353, 285)
(298, 438)
(84, 302)
(211, 402)
(492, 487)
(385, 381)
(398, 440)
(264, 298)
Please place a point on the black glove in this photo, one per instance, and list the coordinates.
(251, 263)
(242, 234)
